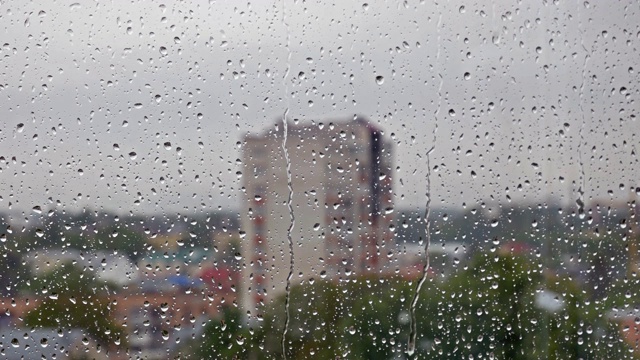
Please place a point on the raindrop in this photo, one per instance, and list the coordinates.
(240, 340)
(379, 80)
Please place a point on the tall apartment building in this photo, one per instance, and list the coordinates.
(342, 201)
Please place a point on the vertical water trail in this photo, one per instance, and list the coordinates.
(581, 187)
(411, 346)
(289, 183)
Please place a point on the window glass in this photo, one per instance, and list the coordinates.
(293, 179)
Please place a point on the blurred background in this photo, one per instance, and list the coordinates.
(172, 175)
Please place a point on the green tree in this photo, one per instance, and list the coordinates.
(73, 300)
(223, 338)
(486, 310)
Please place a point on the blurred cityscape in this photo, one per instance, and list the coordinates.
(506, 280)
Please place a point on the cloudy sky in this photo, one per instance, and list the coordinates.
(137, 106)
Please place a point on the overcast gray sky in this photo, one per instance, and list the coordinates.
(137, 106)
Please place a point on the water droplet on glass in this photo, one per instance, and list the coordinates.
(379, 80)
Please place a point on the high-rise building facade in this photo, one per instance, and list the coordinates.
(342, 203)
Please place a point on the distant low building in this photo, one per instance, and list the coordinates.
(628, 325)
(183, 261)
(515, 248)
(107, 266)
